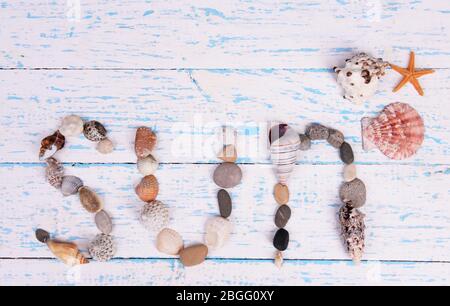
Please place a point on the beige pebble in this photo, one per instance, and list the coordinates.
(228, 153)
(281, 194)
(169, 242)
(349, 172)
(193, 255)
(278, 260)
(105, 146)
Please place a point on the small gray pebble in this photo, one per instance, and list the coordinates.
(282, 216)
(42, 235)
(103, 222)
(227, 175)
(346, 153)
(225, 205)
(335, 138)
(317, 132)
(305, 142)
(353, 193)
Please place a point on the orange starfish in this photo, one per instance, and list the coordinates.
(411, 75)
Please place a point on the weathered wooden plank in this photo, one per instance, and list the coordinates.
(222, 272)
(220, 34)
(187, 106)
(407, 210)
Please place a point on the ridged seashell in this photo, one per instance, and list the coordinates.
(105, 146)
(145, 142)
(147, 189)
(102, 248)
(284, 147)
(147, 165)
(70, 185)
(154, 216)
(67, 252)
(352, 224)
(90, 200)
(54, 172)
(360, 77)
(42, 235)
(218, 231)
(103, 222)
(169, 242)
(94, 131)
(51, 144)
(398, 131)
(71, 126)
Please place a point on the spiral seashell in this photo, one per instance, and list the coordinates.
(284, 147)
(54, 172)
(218, 231)
(90, 200)
(51, 144)
(102, 248)
(70, 185)
(154, 216)
(148, 188)
(398, 131)
(67, 252)
(71, 126)
(169, 242)
(145, 142)
(147, 165)
(352, 224)
(94, 131)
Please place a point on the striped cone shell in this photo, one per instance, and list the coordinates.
(284, 145)
(398, 131)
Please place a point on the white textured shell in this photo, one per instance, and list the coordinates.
(102, 248)
(283, 153)
(169, 241)
(360, 77)
(218, 231)
(71, 126)
(154, 216)
(147, 165)
(105, 146)
(70, 185)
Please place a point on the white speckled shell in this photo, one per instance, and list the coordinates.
(70, 185)
(102, 248)
(147, 165)
(71, 126)
(283, 153)
(154, 216)
(169, 241)
(218, 231)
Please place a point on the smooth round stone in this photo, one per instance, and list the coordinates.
(103, 222)
(282, 216)
(353, 193)
(335, 138)
(349, 172)
(305, 142)
(227, 175)
(281, 193)
(193, 255)
(169, 242)
(281, 239)
(225, 205)
(346, 153)
(317, 132)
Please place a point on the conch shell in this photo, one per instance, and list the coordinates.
(51, 144)
(398, 131)
(284, 147)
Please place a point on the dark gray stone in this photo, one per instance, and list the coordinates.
(335, 138)
(317, 132)
(282, 216)
(346, 153)
(281, 239)
(225, 205)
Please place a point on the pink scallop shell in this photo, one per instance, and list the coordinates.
(398, 131)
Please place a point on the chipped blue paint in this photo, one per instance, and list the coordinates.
(148, 13)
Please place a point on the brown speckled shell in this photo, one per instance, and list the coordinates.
(145, 142)
(94, 131)
(90, 200)
(54, 172)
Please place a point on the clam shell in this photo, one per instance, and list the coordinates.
(103, 222)
(284, 147)
(67, 252)
(169, 242)
(54, 172)
(145, 142)
(105, 146)
(218, 231)
(94, 131)
(90, 200)
(70, 185)
(147, 165)
(51, 144)
(148, 188)
(71, 126)
(398, 131)
(154, 216)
